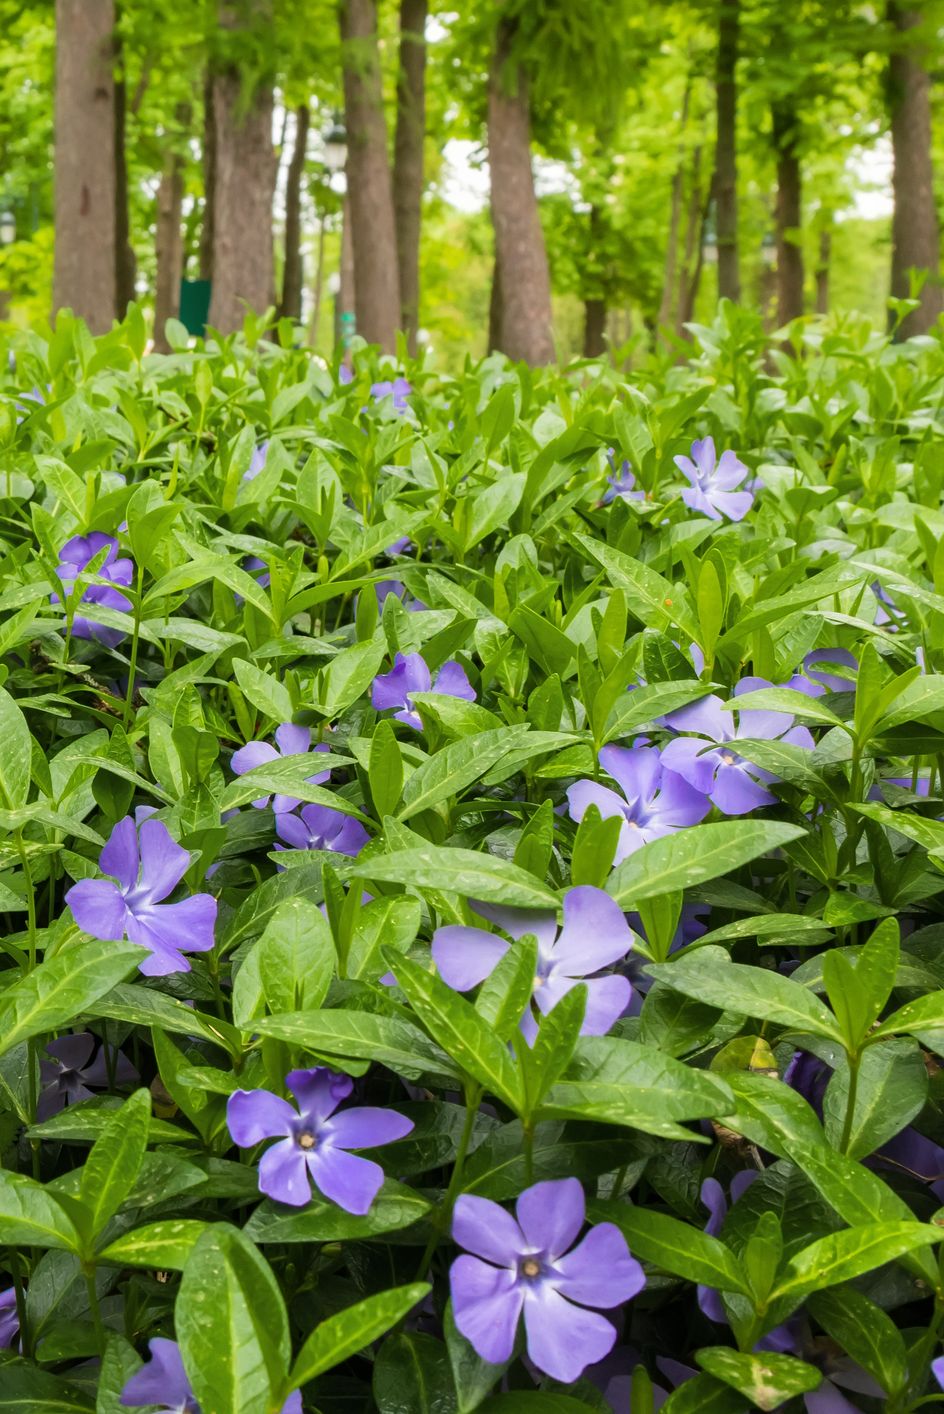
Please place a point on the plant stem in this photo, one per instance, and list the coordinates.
(472, 1096)
(133, 661)
(94, 1307)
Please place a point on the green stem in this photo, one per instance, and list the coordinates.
(853, 1063)
(30, 897)
(95, 1308)
(133, 662)
(25, 1335)
(472, 1096)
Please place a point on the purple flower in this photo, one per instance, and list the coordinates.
(531, 1266)
(148, 866)
(655, 800)
(730, 783)
(289, 741)
(621, 483)
(914, 1154)
(594, 935)
(887, 614)
(259, 571)
(398, 389)
(73, 558)
(410, 674)
(713, 1197)
(320, 827)
(937, 1370)
(383, 587)
(712, 482)
(814, 681)
(399, 547)
(256, 462)
(71, 1075)
(345, 375)
(9, 1318)
(808, 1076)
(314, 1142)
(163, 1382)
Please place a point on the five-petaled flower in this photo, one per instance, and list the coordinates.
(398, 389)
(320, 827)
(656, 801)
(622, 483)
(314, 1140)
(148, 865)
(75, 555)
(289, 741)
(72, 1075)
(709, 761)
(713, 481)
(594, 935)
(410, 674)
(163, 1382)
(532, 1266)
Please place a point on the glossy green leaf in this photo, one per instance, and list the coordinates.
(62, 988)
(342, 1335)
(694, 856)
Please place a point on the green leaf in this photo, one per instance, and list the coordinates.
(534, 1402)
(24, 1389)
(766, 1380)
(114, 1161)
(864, 1331)
(359, 1035)
(450, 770)
(784, 699)
(395, 1207)
(296, 957)
(704, 1395)
(455, 1024)
(31, 1217)
(708, 975)
(347, 1332)
(63, 987)
(646, 704)
(676, 1247)
(231, 1324)
(289, 776)
(558, 1030)
(412, 1376)
(15, 752)
(924, 1014)
(385, 771)
(472, 1377)
(458, 871)
(159, 1246)
(652, 599)
(384, 922)
(842, 1256)
(694, 856)
(143, 1006)
(891, 1091)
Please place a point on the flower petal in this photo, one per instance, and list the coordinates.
(283, 1174)
(254, 1115)
(735, 792)
(120, 857)
(99, 909)
(366, 1126)
(582, 794)
(162, 1380)
(487, 1229)
(607, 999)
(348, 1180)
(563, 1339)
(486, 1304)
(254, 753)
(551, 1214)
(734, 504)
(318, 1091)
(464, 956)
(594, 934)
(636, 769)
(163, 862)
(600, 1271)
(186, 926)
(451, 681)
(292, 740)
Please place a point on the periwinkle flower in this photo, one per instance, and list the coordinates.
(72, 1075)
(259, 571)
(713, 481)
(320, 827)
(814, 679)
(9, 1318)
(148, 865)
(314, 1141)
(399, 547)
(887, 613)
(622, 483)
(410, 674)
(914, 1154)
(74, 556)
(398, 389)
(715, 1200)
(594, 935)
(937, 1370)
(289, 741)
(528, 1265)
(345, 375)
(383, 587)
(656, 801)
(163, 1382)
(256, 462)
(709, 760)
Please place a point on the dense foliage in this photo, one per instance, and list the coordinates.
(530, 779)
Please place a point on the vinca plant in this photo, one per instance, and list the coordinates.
(472, 878)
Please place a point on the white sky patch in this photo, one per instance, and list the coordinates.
(871, 171)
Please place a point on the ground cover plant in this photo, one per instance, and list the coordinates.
(473, 878)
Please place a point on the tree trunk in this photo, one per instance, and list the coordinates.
(126, 265)
(822, 266)
(317, 287)
(495, 309)
(519, 240)
(84, 275)
(345, 311)
(243, 190)
(690, 294)
(788, 218)
(693, 227)
(291, 306)
(169, 244)
(594, 328)
(667, 302)
(729, 279)
(915, 236)
(370, 188)
(408, 160)
(209, 179)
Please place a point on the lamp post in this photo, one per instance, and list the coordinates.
(7, 227)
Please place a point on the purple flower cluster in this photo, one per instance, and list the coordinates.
(116, 570)
(410, 674)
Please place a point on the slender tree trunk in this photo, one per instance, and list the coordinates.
(317, 285)
(693, 226)
(347, 287)
(126, 265)
(370, 188)
(667, 302)
(169, 240)
(690, 294)
(788, 218)
(915, 235)
(84, 274)
(729, 279)
(243, 188)
(291, 307)
(822, 266)
(209, 179)
(519, 240)
(495, 309)
(594, 328)
(408, 160)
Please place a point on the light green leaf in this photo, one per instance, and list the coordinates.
(449, 771)
(694, 856)
(62, 988)
(161, 1246)
(114, 1161)
(347, 1332)
(458, 871)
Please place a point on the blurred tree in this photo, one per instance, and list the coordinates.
(725, 177)
(915, 234)
(408, 180)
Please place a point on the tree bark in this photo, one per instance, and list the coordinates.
(729, 279)
(291, 306)
(519, 240)
(317, 287)
(243, 189)
(693, 227)
(84, 273)
(594, 328)
(209, 179)
(495, 309)
(126, 265)
(822, 267)
(667, 302)
(408, 160)
(370, 188)
(347, 286)
(788, 218)
(690, 293)
(915, 235)
(169, 245)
